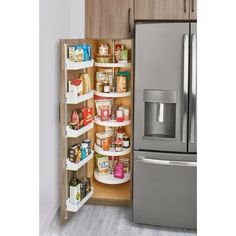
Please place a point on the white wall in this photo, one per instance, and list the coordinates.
(58, 19)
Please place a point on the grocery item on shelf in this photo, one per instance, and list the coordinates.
(105, 86)
(104, 75)
(118, 48)
(123, 56)
(102, 164)
(119, 170)
(101, 136)
(122, 81)
(84, 150)
(85, 186)
(76, 119)
(74, 153)
(120, 132)
(74, 190)
(119, 115)
(104, 113)
(103, 50)
(111, 165)
(125, 163)
(118, 145)
(78, 152)
(126, 141)
(89, 145)
(102, 101)
(75, 86)
(81, 117)
(80, 52)
(87, 115)
(103, 55)
(121, 53)
(86, 83)
(126, 114)
(106, 144)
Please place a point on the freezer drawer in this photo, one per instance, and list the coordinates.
(164, 189)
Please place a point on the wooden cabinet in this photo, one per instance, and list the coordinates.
(193, 10)
(108, 19)
(104, 189)
(165, 9)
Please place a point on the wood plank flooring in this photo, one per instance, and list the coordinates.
(97, 220)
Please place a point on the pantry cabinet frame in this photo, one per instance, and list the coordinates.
(64, 142)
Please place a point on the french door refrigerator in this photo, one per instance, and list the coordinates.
(164, 185)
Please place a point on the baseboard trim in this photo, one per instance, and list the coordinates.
(45, 223)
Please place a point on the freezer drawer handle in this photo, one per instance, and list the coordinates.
(185, 88)
(165, 162)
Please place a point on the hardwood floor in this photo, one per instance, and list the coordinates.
(97, 220)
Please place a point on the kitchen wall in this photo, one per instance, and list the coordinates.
(58, 19)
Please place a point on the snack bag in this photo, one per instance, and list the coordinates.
(87, 115)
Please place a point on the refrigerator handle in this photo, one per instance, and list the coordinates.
(185, 88)
(165, 162)
(193, 87)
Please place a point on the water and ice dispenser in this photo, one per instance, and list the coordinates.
(160, 113)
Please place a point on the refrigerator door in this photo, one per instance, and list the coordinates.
(161, 86)
(192, 143)
(164, 189)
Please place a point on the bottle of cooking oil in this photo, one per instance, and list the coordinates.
(74, 190)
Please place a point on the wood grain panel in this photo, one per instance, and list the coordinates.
(161, 10)
(193, 9)
(108, 18)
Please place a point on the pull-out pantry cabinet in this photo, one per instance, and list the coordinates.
(104, 190)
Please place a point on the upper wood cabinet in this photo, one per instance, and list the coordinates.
(164, 9)
(108, 18)
(193, 9)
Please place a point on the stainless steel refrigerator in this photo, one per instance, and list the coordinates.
(165, 125)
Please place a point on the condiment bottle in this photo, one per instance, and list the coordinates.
(120, 133)
(126, 114)
(126, 141)
(119, 115)
(106, 87)
(74, 190)
(118, 144)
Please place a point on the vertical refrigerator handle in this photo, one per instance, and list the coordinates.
(185, 88)
(193, 87)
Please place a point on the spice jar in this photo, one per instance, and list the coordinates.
(106, 87)
(126, 141)
(106, 144)
(118, 146)
(120, 133)
(104, 113)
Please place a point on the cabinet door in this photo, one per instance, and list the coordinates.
(161, 10)
(193, 9)
(108, 18)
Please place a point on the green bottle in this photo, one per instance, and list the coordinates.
(74, 190)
